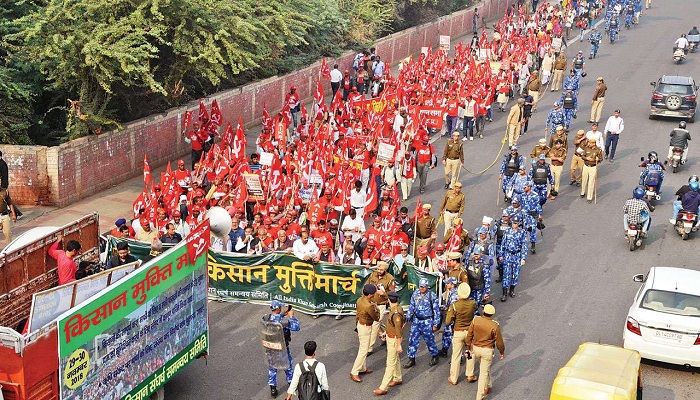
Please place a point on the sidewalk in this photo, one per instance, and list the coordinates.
(116, 202)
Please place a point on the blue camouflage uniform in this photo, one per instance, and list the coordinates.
(568, 112)
(540, 172)
(555, 118)
(530, 203)
(577, 65)
(595, 38)
(515, 163)
(448, 332)
(424, 314)
(479, 274)
(517, 182)
(513, 211)
(498, 230)
(608, 15)
(514, 250)
(629, 12)
(573, 83)
(652, 175)
(292, 324)
(488, 248)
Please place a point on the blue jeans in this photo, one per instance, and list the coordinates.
(677, 207)
(611, 145)
(451, 124)
(468, 126)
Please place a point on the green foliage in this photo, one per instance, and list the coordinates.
(369, 19)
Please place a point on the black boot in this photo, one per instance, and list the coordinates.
(532, 248)
(512, 291)
(504, 296)
(273, 391)
(442, 353)
(433, 361)
(500, 276)
(411, 362)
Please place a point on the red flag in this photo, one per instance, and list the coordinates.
(216, 117)
(337, 101)
(455, 239)
(202, 111)
(319, 96)
(188, 119)
(227, 139)
(139, 203)
(419, 207)
(304, 113)
(239, 142)
(146, 171)
(325, 71)
(266, 120)
(371, 199)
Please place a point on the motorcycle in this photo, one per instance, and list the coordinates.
(634, 236)
(693, 41)
(675, 160)
(678, 55)
(594, 48)
(686, 223)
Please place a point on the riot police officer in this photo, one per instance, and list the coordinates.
(499, 228)
(541, 174)
(555, 118)
(479, 273)
(514, 253)
(289, 323)
(653, 173)
(579, 64)
(532, 211)
(424, 314)
(450, 296)
(570, 103)
(511, 164)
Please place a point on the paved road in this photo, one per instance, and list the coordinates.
(577, 288)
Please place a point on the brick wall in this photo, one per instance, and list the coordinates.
(64, 174)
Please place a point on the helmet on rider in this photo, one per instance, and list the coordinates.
(682, 125)
(693, 178)
(683, 35)
(653, 157)
(638, 192)
(693, 186)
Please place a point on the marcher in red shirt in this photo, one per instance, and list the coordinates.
(196, 138)
(64, 259)
(320, 235)
(398, 238)
(292, 100)
(426, 159)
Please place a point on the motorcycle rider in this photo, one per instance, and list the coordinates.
(679, 138)
(637, 211)
(595, 38)
(691, 199)
(694, 31)
(680, 193)
(681, 43)
(653, 174)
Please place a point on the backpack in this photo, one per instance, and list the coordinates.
(309, 387)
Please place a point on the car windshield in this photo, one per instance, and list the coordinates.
(672, 302)
(675, 89)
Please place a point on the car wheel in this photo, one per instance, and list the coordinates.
(692, 119)
(673, 102)
(651, 116)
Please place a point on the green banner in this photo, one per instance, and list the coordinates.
(131, 337)
(313, 288)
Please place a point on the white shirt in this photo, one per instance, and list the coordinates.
(349, 224)
(615, 125)
(336, 75)
(320, 374)
(354, 258)
(682, 43)
(598, 136)
(182, 228)
(357, 198)
(301, 250)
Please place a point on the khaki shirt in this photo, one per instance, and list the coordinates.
(561, 136)
(394, 323)
(599, 91)
(579, 141)
(366, 311)
(539, 150)
(534, 84)
(560, 63)
(592, 156)
(453, 151)
(386, 280)
(555, 153)
(485, 332)
(460, 274)
(453, 202)
(462, 313)
(515, 115)
(425, 227)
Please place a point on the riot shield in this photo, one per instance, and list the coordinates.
(274, 344)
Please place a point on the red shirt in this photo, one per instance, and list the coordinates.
(292, 99)
(322, 238)
(368, 257)
(373, 234)
(396, 240)
(425, 153)
(66, 265)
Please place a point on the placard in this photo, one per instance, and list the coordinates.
(266, 158)
(556, 43)
(254, 187)
(385, 153)
(445, 42)
(424, 51)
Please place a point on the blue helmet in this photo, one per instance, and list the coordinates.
(478, 250)
(693, 185)
(423, 282)
(638, 192)
(275, 304)
(505, 213)
(451, 280)
(528, 183)
(515, 199)
(482, 229)
(516, 219)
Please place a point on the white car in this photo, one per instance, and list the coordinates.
(663, 323)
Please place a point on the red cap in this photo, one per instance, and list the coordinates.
(426, 136)
(371, 242)
(423, 251)
(377, 219)
(181, 162)
(284, 221)
(144, 221)
(293, 213)
(267, 221)
(293, 88)
(199, 193)
(440, 246)
(398, 224)
(176, 214)
(198, 209)
(156, 187)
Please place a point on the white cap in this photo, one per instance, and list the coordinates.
(486, 220)
(183, 197)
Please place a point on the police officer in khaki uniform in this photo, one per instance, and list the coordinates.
(557, 154)
(560, 64)
(452, 205)
(541, 148)
(577, 160)
(395, 324)
(464, 240)
(384, 282)
(452, 159)
(426, 228)
(592, 155)
(462, 313)
(456, 269)
(560, 134)
(484, 333)
(366, 315)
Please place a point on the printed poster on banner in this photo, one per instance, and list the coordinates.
(556, 43)
(266, 158)
(385, 153)
(133, 336)
(252, 183)
(445, 42)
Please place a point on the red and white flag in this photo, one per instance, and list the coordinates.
(228, 137)
(188, 119)
(456, 239)
(325, 71)
(147, 178)
(203, 114)
(239, 142)
(216, 117)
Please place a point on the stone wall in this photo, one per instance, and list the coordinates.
(64, 174)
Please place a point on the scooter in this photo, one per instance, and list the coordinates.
(675, 160)
(634, 236)
(678, 55)
(693, 46)
(686, 223)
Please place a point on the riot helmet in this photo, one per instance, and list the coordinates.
(682, 125)
(638, 192)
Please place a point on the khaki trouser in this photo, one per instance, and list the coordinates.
(588, 181)
(448, 217)
(556, 174)
(406, 184)
(363, 334)
(378, 327)
(535, 97)
(513, 134)
(485, 357)
(451, 168)
(393, 364)
(459, 342)
(597, 109)
(6, 227)
(576, 166)
(557, 79)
